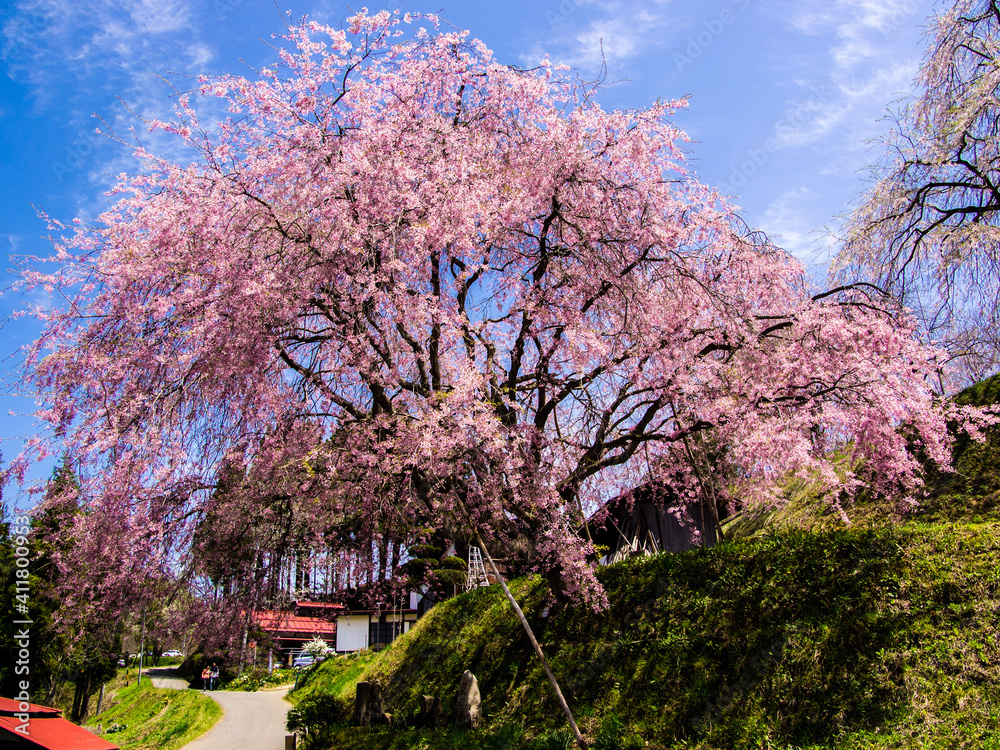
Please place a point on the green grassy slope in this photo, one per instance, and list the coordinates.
(803, 632)
(156, 719)
(861, 638)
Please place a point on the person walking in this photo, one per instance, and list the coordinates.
(215, 677)
(206, 679)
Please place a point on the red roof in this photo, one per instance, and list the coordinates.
(273, 621)
(46, 729)
(9, 707)
(323, 605)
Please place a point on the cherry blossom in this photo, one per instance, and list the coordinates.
(407, 288)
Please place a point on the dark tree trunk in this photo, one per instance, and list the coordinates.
(383, 557)
(81, 695)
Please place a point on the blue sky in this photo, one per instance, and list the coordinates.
(785, 97)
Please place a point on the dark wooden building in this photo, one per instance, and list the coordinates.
(648, 520)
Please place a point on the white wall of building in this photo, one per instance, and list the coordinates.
(352, 632)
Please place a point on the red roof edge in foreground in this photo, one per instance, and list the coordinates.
(47, 730)
(9, 707)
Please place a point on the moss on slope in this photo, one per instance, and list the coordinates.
(149, 718)
(863, 638)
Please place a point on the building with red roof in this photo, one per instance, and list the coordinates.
(293, 629)
(43, 727)
(344, 629)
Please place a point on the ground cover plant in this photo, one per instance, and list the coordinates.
(872, 638)
(261, 678)
(148, 718)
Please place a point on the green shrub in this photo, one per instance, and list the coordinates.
(451, 577)
(426, 551)
(316, 715)
(454, 563)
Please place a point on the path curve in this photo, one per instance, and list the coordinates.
(165, 677)
(250, 721)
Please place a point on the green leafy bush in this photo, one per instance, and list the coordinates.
(454, 563)
(258, 678)
(426, 551)
(450, 577)
(316, 714)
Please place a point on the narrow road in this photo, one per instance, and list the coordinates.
(250, 721)
(165, 677)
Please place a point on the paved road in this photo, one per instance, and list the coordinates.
(165, 677)
(250, 721)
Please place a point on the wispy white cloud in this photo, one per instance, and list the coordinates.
(846, 105)
(873, 53)
(117, 42)
(791, 221)
(851, 17)
(78, 57)
(587, 33)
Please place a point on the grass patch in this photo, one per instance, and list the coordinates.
(335, 676)
(863, 638)
(156, 719)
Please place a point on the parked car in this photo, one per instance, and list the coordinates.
(304, 660)
(172, 654)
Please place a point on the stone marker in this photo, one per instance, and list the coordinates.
(376, 709)
(469, 701)
(361, 694)
(430, 713)
(368, 707)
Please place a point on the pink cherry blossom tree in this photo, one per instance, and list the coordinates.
(927, 230)
(403, 286)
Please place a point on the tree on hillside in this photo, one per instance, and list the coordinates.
(407, 284)
(74, 645)
(929, 230)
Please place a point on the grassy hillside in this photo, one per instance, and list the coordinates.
(148, 718)
(800, 632)
(868, 638)
(969, 493)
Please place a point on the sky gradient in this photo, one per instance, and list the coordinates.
(786, 98)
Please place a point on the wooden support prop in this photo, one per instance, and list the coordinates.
(531, 637)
